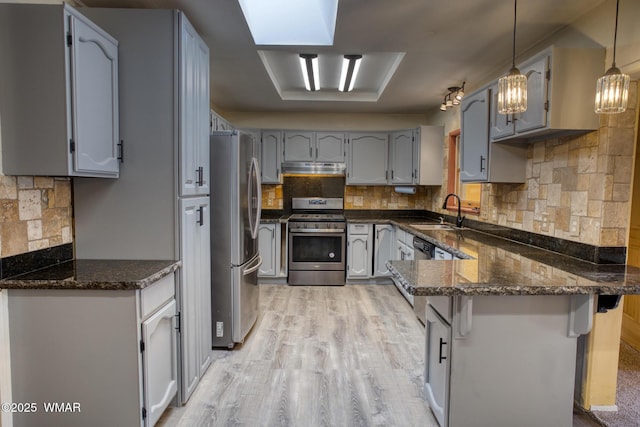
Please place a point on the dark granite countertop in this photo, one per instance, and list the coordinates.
(273, 216)
(94, 274)
(497, 266)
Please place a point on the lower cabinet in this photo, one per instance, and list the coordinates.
(384, 249)
(272, 245)
(490, 360)
(110, 354)
(359, 251)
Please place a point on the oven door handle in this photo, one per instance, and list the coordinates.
(315, 230)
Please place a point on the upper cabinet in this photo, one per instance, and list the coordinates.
(482, 161)
(270, 158)
(306, 146)
(194, 111)
(367, 158)
(405, 157)
(560, 94)
(59, 85)
(217, 122)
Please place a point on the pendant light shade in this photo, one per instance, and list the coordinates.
(612, 89)
(512, 88)
(512, 92)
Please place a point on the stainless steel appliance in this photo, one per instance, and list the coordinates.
(317, 234)
(422, 250)
(235, 216)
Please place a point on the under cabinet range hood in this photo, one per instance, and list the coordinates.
(313, 168)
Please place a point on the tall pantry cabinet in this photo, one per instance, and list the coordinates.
(159, 207)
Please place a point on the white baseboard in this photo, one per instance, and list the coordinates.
(604, 408)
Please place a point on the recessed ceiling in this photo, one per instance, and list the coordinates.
(376, 70)
(445, 43)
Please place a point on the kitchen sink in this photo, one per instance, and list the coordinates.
(427, 227)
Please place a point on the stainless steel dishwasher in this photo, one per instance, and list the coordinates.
(422, 250)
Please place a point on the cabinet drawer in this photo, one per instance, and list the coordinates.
(442, 305)
(155, 295)
(359, 228)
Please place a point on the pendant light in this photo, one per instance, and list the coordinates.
(612, 89)
(512, 88)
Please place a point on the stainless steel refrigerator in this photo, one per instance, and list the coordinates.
(235, 216)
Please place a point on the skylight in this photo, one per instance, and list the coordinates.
(291, 22)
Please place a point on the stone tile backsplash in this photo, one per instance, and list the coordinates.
(35, 213)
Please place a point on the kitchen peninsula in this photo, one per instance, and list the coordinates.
(502, 329)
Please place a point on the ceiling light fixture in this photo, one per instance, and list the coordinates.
(612, 89)
(310, 71)
(455, 95)
(512, 88)
(349, 74)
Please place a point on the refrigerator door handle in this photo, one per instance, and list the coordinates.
(255, 200)
(254, 268)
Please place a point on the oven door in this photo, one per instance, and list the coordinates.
(312, 250)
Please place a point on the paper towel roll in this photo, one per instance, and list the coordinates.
(406, 190)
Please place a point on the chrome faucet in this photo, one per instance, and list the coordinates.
(460, 218)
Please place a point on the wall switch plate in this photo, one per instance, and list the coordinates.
(574, 227)
(544, 222)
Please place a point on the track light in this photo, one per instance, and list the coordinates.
(455, 95)
(310, 71)
(350, 67)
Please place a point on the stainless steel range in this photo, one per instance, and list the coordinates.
(317, 234)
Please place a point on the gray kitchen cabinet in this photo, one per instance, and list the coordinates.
(367, 158)
(268, 242)
(384, 249)
(482, 160)
(194, 112)
(329, 147)
(270, 156)
(401, 157)
(113, 351)
(560, 94)
(465, 353)
(195, 271)
(217, 122)
(298, 146)
(59, 85)
(142, 215)
(403, 251)
(428, 155)
(359, 247)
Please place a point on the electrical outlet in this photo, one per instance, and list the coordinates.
(494, 214)
(544, 223)
(219, 329)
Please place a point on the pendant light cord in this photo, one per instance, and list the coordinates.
(615, 34)
(515, 8)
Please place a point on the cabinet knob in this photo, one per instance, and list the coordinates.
(441, 357)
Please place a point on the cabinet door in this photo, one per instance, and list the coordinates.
(329, 147)
(270, 157)
(159, 362)
(358, 256)
(94, 104)
(195, 284)
(367, 161)
(437, 367)
(502, 125)
(401, 153)
(384, 249)
(194, 115)
(267, 248)
(475, 136)
(536, 115)
(298, 146)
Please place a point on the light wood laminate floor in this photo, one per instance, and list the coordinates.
(318, 356)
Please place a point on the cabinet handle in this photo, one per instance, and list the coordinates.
(311, 152)
(316, 152)
(441, 357)
(200, 176)
(121, 151)
(201, 216)
(386, 175)
(482, 159)
(513, 119)
(391, 174)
